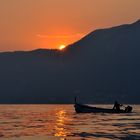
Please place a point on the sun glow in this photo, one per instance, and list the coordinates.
(62, 47)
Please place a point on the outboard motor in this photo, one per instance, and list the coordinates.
(128, 109)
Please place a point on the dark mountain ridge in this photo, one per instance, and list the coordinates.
(104, 65)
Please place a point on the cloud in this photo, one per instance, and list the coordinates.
(79, 35)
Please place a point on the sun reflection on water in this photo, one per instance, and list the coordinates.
(60, 128)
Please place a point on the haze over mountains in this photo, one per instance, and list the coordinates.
(101, 67)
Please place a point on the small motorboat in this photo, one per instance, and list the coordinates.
(81, 108)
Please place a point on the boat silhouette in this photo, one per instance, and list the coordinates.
(82, 108)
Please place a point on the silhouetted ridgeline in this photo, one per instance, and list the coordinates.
(104, 65)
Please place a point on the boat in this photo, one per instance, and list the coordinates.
(82, 108)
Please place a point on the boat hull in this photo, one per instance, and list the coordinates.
(80, 108)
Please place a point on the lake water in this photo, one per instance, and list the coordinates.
(60, 122)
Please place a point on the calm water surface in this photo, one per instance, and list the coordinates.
(61, 122)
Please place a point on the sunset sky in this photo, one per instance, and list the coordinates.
(32, 24)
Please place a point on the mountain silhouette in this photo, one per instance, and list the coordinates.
(101, 67)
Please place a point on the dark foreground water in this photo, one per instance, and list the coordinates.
(60, 122)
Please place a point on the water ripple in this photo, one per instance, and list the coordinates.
(61, 121)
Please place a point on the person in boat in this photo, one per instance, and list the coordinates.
(117, 106)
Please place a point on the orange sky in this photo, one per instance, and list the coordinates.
(31, 24)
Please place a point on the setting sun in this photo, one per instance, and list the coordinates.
(62, 47)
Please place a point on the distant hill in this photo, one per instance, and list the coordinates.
(101, 67)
